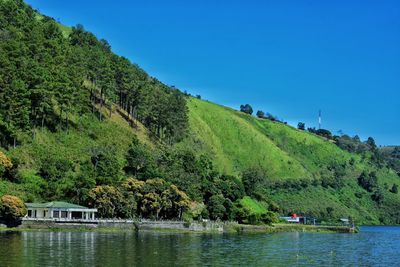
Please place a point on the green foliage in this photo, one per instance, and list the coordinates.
(246, 109)
(251, 211)
(253, 180)
(216, 207)
(154, 198)
(301, 126)
(391, 156)
(33, 183)
(371, 143)
(108, 200)
(5, 164)
(253, 205)
(260, 114)
(230, 186)
(368, 149)
(368, 181)
(139, 161)
(324, 133)
(106, 167)
(378, 196)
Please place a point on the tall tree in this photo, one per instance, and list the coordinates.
(260, 114)
(246, 109)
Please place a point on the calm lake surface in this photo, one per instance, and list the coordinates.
(373, 246)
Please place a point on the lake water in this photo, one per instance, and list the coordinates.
(373, 246)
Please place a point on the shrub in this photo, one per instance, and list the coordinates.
(301, 126)
(378, 196)
(253, 180)
(107, 199)
(216, 207)
(11, 209)
(368, 181)
(260, 114)
(269, 217)
(246, 109)
(5, 163)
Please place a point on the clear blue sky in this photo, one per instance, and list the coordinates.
(290, 58)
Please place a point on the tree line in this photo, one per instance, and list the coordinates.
(368, 148)
(161, 183)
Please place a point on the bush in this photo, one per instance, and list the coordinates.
(368, 181)
(12, 208)
(216, 207)
(269, 217)
(230, 186)
(253, 180)
(378, 196)
(246, 109)
(107, 199)
(301, 126)
(5, 163)
(260, 114)
(324, 133)
(247, 216)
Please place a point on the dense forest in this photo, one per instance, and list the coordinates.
(82, 124)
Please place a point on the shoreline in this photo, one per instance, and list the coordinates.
(182, 227)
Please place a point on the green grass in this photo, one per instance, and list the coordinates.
(66, 30)
(253, 205)
(236, 143)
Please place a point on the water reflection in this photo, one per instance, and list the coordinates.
(370, 247)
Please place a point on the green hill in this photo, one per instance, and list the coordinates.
(237, 141)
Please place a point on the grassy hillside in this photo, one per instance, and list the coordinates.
(237, 141)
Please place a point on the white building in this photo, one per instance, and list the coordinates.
(59, 210)
(291, 219)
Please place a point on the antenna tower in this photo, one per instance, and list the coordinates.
(319, 119)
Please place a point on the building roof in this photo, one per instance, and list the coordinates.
(55, 205)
